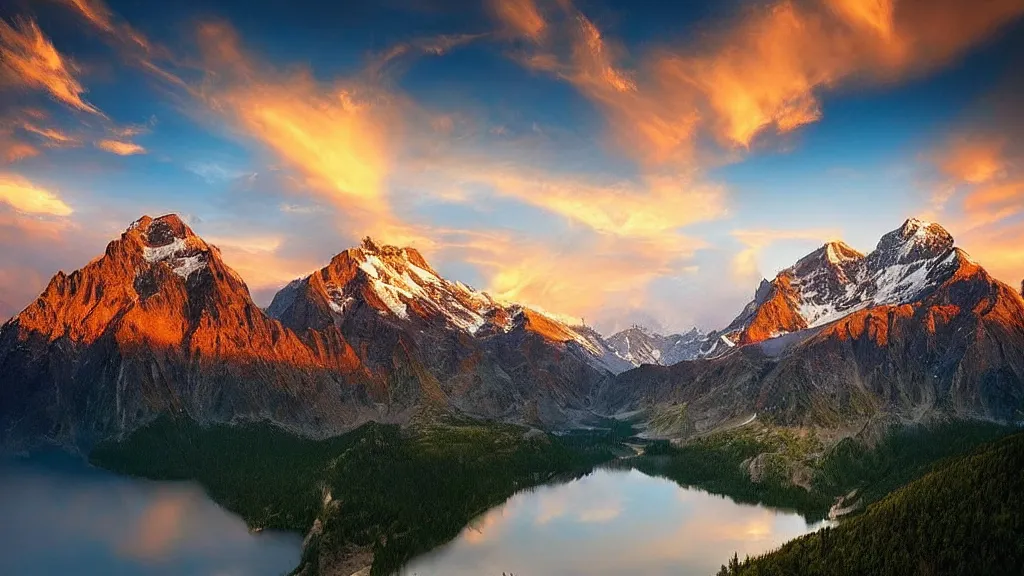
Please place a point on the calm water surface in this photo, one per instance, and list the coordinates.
(611, 522)
(59, 516)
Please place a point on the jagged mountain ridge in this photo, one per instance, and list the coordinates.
(473, 350)
(914, 330)
(160, 324)
(638, 345)
(836, 280)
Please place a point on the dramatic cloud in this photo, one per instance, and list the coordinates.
(132, 44)
(761, 72)
(979, 194)
(52, 136)
(26, 197)
(259, 261)
(559, 276)
(974, 160)
(338, 137)
(522, 17)
(28, 59)
(120, 148)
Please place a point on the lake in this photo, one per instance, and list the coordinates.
(611, 522)
(61, 516)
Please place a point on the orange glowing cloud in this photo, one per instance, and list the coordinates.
(338, 137)
(973, 160)
(53, 136)
(29, 59)
(993, 203)
(761, 72)
(655, 208)
(120, 148)
(25, 197)
(132, 44)
(548, 276)
(257, 259)
(998, 249)
(521, 17)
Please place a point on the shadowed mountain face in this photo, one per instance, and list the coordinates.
(915, 329)
(159, 324)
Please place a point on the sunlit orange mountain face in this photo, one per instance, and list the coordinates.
(365, 272)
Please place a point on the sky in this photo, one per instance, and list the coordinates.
(619, 162)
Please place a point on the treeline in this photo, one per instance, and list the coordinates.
(719, 463)
(397, 492)
(964, 518)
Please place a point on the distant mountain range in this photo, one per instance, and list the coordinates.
(914, 330)
(638, 345)
(160, 324)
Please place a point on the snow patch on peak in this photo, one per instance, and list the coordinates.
(839, 253)
(369, 265)
(183, 260)
(162, 253)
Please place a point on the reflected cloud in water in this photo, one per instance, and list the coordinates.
(62, 517)
(611, 522)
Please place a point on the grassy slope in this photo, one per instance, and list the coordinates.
(397, 493)
(965, 517)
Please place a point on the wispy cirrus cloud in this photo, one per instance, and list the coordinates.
(28, 198)
(120, 147)
(29, 60)
(133, 45)
(979, 181)
(761, 72)
(52, 136)
(338, 136)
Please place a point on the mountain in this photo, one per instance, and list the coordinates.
(160, 324)
(961, 518)
(638, 345)
(470, 351)
(836, 280)
(913, 330)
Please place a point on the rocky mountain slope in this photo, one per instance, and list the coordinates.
(160, 324)
(467, 349)
(638, 345)
(836, 280)
(914, 330)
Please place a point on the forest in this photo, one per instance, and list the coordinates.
(719, 463)
(397, 492)
(964, 517)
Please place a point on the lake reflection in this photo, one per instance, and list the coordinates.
(611, 522)
(62, 517)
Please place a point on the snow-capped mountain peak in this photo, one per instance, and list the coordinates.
(398, 285)
(640, 345)
(836, 280)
